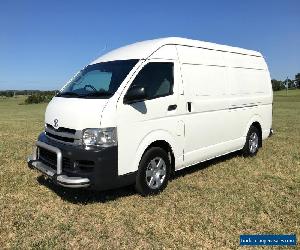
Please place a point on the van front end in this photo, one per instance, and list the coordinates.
(77, 166)
(79, 147)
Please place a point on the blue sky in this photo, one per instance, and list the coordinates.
(43, 43)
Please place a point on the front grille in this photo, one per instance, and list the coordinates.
(61, 129)
(50, 159)
(62, 134)
(60, 138)
(47, 157)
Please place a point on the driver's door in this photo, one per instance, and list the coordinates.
(158, 115)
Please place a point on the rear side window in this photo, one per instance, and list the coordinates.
(157, 79)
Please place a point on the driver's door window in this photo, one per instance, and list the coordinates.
(157, 79)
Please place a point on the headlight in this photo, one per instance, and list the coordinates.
(105, 137)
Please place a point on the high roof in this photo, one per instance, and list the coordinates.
(142, 50)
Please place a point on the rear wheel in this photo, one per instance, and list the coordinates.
(253, 141)
(153, 173)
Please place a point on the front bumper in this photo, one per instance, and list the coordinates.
(76, 167)
(56, 176)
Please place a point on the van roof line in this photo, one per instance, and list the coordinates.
(142, 50)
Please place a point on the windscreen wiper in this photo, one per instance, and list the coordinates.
(96, 94)
(67, 94)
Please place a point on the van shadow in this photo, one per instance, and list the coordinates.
(203, 165)
(85, 196)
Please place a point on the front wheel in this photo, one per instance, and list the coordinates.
(252, 142)
(153, 173)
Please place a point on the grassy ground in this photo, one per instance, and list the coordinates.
(206, 206)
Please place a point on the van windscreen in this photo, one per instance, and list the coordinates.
(99, 80)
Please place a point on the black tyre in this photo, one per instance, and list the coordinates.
(253, 141)
(154, 172)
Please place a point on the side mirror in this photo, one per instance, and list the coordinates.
(135, 94)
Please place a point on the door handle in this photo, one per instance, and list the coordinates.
(189, 106)
(172, 107)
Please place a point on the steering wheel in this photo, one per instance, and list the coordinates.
(89, 86)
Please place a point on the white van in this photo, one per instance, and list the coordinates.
(138, 113)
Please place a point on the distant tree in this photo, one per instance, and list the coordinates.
(7, 93)
(288, 83)
(46, 96)
(297, 79)
(277, 85)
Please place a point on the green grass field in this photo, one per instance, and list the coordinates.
(206, 206)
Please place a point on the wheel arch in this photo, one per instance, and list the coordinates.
(158, 138)
(256, 121)
(166, 147)
(258, 126)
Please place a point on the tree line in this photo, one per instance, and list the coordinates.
(11, 93)
(32, 96)
(288, 83)
(39, 98)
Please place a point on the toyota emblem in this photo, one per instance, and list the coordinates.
(55, 123)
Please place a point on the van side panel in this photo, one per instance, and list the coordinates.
(251, 93)
(206, 89)
(200, 56)
(227, 93)
(235, 60)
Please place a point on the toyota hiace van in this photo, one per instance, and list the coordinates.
(138, 113)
